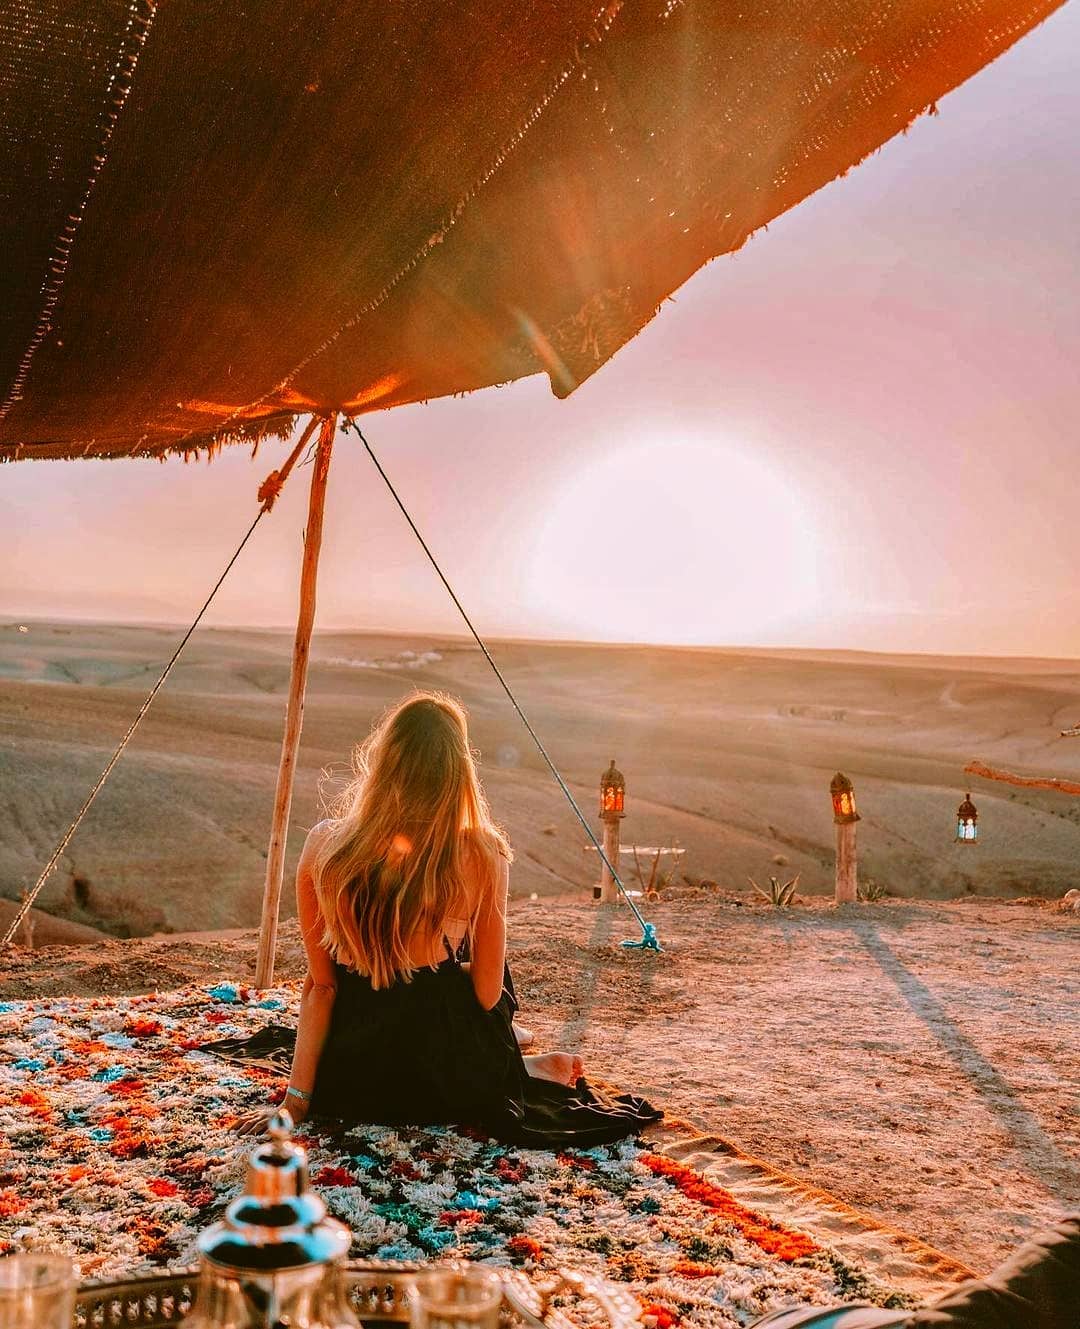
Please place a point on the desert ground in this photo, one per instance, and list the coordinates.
(920, 1060)
(918, 1057)
(726, 753)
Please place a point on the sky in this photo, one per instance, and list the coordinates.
(860, 431)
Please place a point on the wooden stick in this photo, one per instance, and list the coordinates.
(651, 893)
(294, 714)
(1024, 781)
(637, 864)
(639, 849)
(665, 880)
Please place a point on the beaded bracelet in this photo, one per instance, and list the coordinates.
(298, 1093)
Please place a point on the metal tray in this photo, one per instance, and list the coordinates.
(379, 1294)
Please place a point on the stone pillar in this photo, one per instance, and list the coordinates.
(609, 892)
(847, 867)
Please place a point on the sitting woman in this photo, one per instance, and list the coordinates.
(396, 1027)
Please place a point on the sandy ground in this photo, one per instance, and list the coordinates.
(728, 753)
(919, 1060)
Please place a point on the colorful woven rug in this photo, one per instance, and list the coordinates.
(116, 1147)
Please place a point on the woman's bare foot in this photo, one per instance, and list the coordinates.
(560, 1067)
(525, 1037)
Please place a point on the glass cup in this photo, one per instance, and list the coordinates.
(455, 1296)
(36, 1292)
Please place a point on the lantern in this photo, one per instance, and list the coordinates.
(843, 800)
(612, 793)
(967, 821)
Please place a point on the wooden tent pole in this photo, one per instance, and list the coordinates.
(294, 714)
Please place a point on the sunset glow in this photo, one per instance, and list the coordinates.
(691, 541)
(853, 432)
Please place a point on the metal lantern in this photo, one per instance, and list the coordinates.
(843, 800)
(276, 1258)
(612, 793)
(967, 821)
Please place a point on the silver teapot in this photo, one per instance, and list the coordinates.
(276, 1261)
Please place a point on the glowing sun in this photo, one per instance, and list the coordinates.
(682, 542)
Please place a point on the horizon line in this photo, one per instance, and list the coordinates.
(8, 620)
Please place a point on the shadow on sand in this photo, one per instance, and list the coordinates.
(612, 921)
(1041, 1154)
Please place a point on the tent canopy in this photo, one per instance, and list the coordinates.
(216, 215)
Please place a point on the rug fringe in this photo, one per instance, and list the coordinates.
(905, 1259)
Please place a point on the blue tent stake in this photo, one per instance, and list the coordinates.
(648, 942)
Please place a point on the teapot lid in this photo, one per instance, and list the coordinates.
(278, 1222)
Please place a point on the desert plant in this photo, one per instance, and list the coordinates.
(872, 891)
(778, 895)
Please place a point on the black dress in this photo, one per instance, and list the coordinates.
(427, 1053)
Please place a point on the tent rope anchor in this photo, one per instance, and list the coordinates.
(649, 940)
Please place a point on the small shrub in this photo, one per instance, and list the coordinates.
(872, 891)
(699, 883)
(778, 895)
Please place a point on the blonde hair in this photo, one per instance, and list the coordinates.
(409, 841)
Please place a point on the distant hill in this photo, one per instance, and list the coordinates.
(727, 752)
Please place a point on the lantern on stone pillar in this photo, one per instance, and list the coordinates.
(843, 800)
(842, 792)
(612, 801)
(967, 821)
(612, 794)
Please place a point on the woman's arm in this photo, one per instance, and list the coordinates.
(316, 1001)
(489, 940)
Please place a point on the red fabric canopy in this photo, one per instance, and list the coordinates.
(218, 214)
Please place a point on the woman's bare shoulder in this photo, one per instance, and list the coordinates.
(487, 858)
(316, 839)
(487, 845)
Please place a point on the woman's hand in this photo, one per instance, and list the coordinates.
(255, 1123)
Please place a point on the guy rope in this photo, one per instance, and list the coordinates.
(268, 493)
(649, 940)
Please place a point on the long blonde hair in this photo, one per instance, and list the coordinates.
(410, 840)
